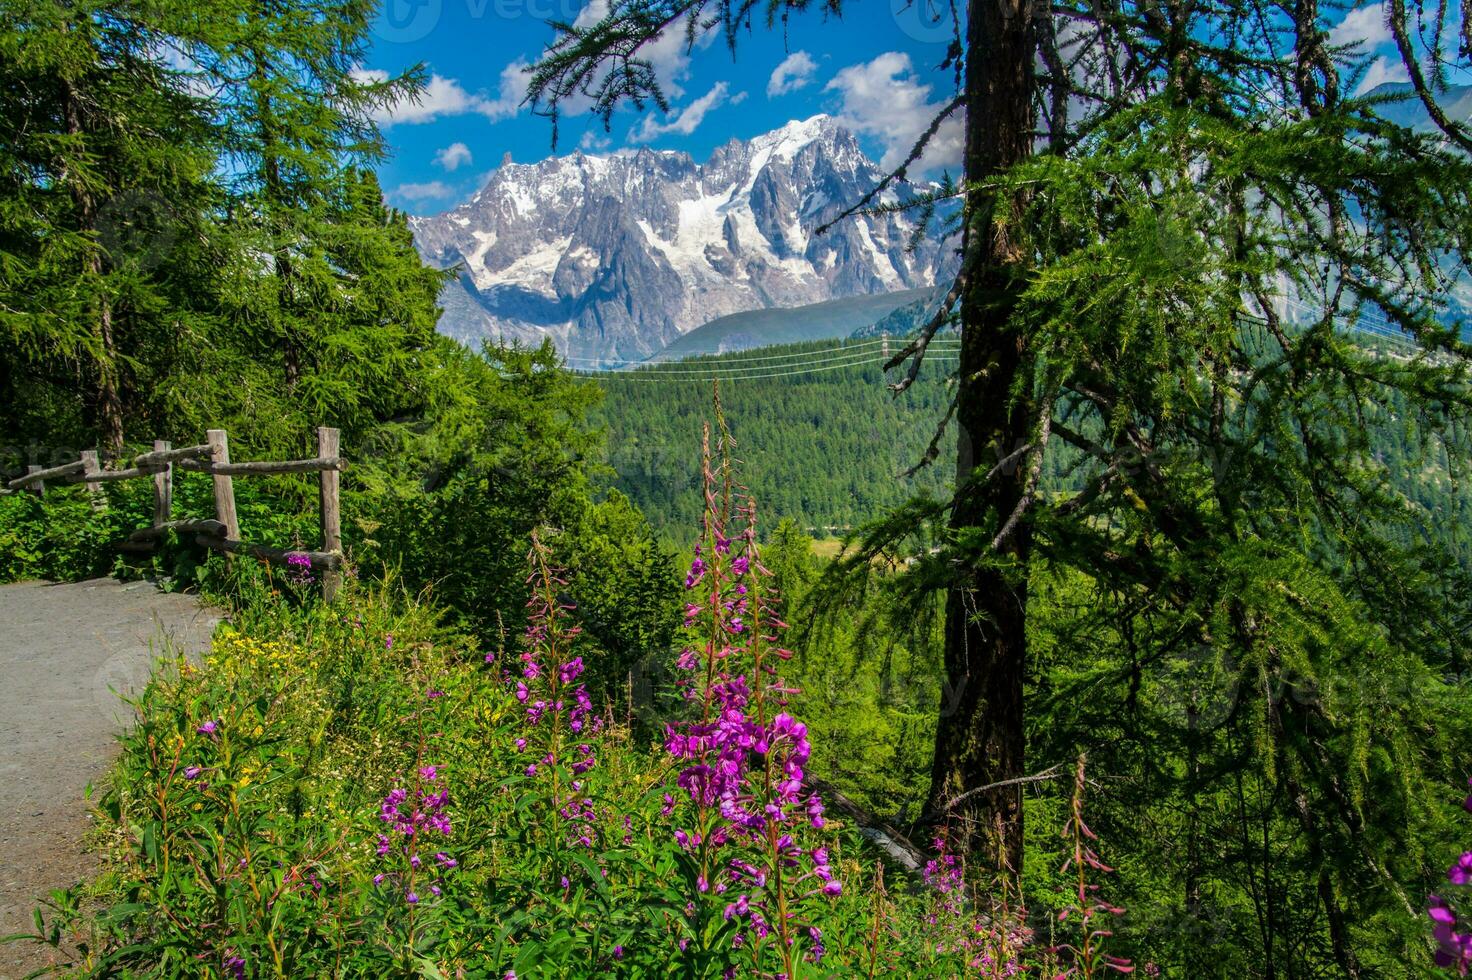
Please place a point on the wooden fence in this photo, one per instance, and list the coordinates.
(222, 533)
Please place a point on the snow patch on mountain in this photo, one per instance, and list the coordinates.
(615, 255)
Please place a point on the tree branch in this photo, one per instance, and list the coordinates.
(899, 173)
(916, 348)
(1050, 773)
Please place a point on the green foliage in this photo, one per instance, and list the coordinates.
(62, 541)
(625, 587)
(826, 448)
(452, 508)
(868, 683)
(168, 224)
(245, 827)
(104, 170)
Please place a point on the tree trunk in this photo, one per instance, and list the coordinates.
(980, 737)
(106, 399)
(274, 205)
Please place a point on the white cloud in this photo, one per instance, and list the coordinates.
(685, 122)
(593, 141)
(452, 156)
(427, 191)
(1382, 71)
(795, 71)
(1362, 25)
(447, 97)
(884, 99)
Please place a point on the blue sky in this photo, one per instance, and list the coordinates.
(877, 68)
(874, 67)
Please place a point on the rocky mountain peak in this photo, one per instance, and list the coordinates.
(614, 255)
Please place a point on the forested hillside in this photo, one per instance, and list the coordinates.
(826, 444)
(834, 319)
(821, 439)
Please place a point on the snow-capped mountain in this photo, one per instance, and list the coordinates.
(613, 256)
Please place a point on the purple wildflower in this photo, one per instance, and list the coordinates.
(744, 758)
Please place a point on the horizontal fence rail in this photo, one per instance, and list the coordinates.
(222, 532)
(262, 468)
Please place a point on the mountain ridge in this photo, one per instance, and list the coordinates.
(616, 255)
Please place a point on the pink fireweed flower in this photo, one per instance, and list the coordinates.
(298, 568)
(1089, 952)
(558, 711)
(1461, 872)
(410, 812)
(1453, 946)
(697, 570)
(742, 780)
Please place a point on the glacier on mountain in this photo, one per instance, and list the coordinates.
(613, 256)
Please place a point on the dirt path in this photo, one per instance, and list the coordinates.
(64, 650)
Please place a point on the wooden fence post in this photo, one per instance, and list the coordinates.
(91, 466)
(39, 487)
(327, 448)
(224, 486)
(163, 488)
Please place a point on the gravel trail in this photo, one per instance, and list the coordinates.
(64, 651)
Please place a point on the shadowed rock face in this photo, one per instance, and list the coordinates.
(615, 256)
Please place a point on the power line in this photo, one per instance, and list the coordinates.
(652, 362)
(1364, 321)
(719, 367)
(693, 368)
(655, 360)
(717, 370)
(697, 376)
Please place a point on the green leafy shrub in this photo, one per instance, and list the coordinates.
(62, 540)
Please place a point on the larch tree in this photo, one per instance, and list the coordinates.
(1169, 213)
(299, 120)
(101, 146)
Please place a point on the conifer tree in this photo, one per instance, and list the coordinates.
(105, 162)
(297, 118)
(185, 199)
(1168, 215)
